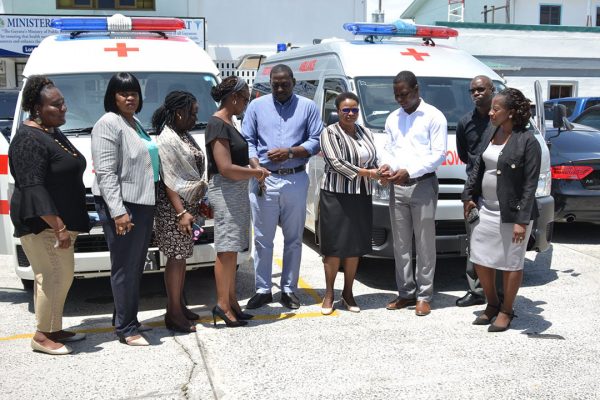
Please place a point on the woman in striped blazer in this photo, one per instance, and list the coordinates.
(345, 217)
(127, 165)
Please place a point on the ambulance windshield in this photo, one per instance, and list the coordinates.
(449, 95)
(84, 95)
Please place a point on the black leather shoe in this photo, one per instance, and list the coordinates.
(259, 300)
(470, 299)
(290, 300)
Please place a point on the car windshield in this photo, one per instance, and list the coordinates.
(590, 118)
(84, 96)
(449, 95)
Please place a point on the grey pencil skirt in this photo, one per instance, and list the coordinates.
(231, 205)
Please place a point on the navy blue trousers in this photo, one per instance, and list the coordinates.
(127, 257)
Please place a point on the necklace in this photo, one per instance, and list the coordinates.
(71, 150)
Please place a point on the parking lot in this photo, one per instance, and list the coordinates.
(551, 351)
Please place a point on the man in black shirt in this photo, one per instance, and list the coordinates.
(473, 131)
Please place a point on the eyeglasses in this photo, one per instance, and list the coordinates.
(347, 110)
(477, 89)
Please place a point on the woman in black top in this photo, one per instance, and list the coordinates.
(47, 207)
(228, 170)
(502, 186)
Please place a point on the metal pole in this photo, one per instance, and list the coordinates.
(493, 13)
(485, 11)
(507, 7)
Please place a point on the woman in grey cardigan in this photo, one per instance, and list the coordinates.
(127, 164)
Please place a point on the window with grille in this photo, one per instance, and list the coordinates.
(550, 15)
(106, 4)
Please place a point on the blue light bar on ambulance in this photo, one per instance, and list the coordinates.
(117, 23)
(400, 28)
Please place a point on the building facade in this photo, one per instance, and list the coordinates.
(237, 32)
(521, 12)
(556, 42)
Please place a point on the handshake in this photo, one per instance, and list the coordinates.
(385, 175)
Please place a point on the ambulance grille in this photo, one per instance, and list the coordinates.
(450, 228)
(22, 257)
(378, 237)
(90, 244)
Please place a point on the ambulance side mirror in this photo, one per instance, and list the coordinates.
(332, 118)
(559, 118)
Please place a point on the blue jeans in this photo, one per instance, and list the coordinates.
(283, 204)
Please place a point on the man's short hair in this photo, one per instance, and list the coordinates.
(281, 68)
(406, 77)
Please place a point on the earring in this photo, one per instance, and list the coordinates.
(510, 116)
(234, 102)
(178, 116)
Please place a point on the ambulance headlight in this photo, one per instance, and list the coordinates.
(380, 192)
(544, 184)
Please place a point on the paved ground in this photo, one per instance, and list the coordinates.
(552, 351)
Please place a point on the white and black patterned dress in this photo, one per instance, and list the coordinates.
(169, 239)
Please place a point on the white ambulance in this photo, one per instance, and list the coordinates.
(367, 68)
(80, 61)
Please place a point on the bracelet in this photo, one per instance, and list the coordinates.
(181, 214)
(64, 228)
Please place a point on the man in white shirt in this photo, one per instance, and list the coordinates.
(415, 146)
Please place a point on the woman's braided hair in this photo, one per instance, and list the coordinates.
(176, 100)
(515, 101)
(224, 89)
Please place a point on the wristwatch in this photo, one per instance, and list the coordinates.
(290, 153)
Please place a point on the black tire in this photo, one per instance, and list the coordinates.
(27, 284)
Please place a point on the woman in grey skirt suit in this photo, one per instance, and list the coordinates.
(502, 187)
(229, 172)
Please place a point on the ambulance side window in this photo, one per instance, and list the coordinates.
(332, 88)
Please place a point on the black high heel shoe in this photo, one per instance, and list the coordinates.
(242, 315)
(192, 316)
(217, 311)
(490, 312)
(496, 328)
(178, 328)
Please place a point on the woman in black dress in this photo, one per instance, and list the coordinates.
(47, 207)
(178, 202)
(228, 170)
(346, 213)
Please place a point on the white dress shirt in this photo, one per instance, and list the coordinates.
(415, 142)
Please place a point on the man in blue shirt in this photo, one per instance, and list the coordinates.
(282, 130)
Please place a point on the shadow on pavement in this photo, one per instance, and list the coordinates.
(576, 233)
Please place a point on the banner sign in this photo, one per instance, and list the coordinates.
(20, 34)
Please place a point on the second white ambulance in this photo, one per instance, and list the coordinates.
(367, 68)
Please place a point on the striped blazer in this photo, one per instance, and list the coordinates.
(122, 165)
(341, 154)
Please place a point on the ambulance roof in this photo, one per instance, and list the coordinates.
(386, 58)
(89, 53)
